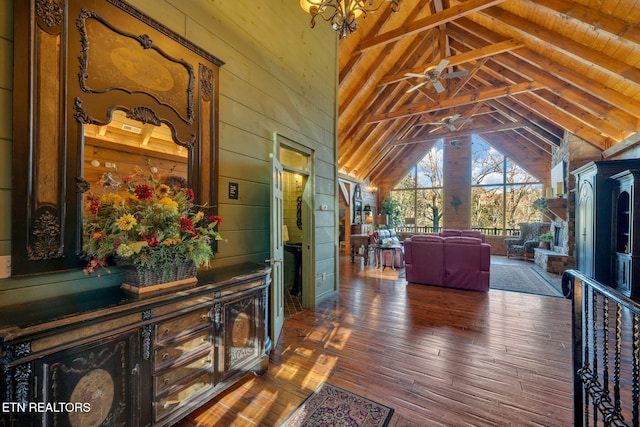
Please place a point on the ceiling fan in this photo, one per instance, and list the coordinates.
(450, 122)
(433, 75)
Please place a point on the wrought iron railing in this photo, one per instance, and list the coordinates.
(606, 353)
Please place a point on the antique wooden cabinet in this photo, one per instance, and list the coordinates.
(595, 244)
(626, 232)
(106, 358)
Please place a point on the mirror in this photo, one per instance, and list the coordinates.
(100, 86)
(357, 205)
(124, 143)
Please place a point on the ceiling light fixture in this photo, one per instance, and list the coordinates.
(343, 14)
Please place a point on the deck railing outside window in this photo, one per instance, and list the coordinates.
(490, 231)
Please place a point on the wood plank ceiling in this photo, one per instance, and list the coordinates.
(528, 71)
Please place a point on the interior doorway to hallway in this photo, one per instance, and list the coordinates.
(293, 186)
(298, 225)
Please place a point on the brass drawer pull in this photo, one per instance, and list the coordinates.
(165, 356)
(165, 381)
(166, 331)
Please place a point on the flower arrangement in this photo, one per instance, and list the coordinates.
(146, 221)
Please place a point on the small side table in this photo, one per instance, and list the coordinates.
(380, 250)
(358, 240)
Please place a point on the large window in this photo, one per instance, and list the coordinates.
(420, 192)
(502, 192)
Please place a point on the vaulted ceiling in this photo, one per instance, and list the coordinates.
(520, 74)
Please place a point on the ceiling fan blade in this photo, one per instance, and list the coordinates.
(419, 85)
(454, 74)
(442, 65)
(454, 117)
(438, 86)
(452, 128)
(465, 121)
(420, 76)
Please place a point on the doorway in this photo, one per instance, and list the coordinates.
(297, 290)
(294, 184)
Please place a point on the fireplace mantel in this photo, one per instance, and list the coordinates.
(558, 207)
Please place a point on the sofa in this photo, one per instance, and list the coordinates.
(529, 239)
(457, 261)
(464, 233)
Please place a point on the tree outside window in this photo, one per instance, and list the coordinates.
(502, 192)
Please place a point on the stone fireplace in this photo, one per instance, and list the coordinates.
(554, 260)
(560, 232)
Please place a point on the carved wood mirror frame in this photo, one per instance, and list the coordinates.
(75, 63)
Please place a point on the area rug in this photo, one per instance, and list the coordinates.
(521, 279)
(333, 406)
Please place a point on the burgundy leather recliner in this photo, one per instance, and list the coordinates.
(455, 262)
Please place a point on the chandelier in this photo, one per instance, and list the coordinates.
(343, 14)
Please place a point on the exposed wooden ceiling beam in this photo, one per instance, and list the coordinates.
(591, 18)
(511, 24)
(565, 121)
(461, 133)
(576, 95)
(461, 58)
(447, 15)
(464, 99)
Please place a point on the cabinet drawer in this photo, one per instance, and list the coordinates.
(167, 354)
(167, 405)
(183, 324)
(165, 380)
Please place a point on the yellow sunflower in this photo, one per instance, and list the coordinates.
(126, 222)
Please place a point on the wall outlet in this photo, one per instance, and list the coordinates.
(5, 266)
(324, 276)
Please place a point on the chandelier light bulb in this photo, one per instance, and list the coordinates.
(343, 14)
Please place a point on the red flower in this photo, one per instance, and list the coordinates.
(153, 241)
(186, 224)
(94, 206)
(143, 192)
(216, 219)
(190, 195)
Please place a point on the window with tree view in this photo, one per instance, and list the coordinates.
(420, 192)
(502, 192)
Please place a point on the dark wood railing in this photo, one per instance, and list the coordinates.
(491, 231)
(606, 353)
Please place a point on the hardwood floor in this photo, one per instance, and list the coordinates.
(439, 357)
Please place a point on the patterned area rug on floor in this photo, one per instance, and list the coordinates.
(521, 279)
(331, 405)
